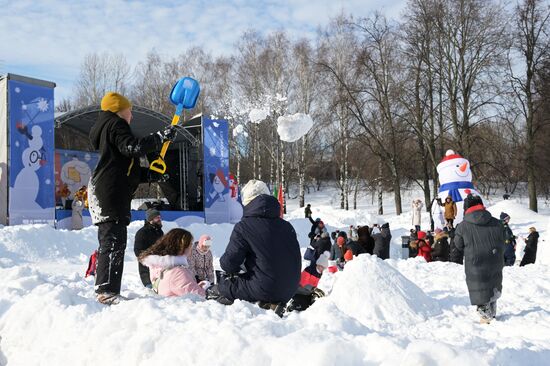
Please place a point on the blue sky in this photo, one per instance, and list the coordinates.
(48, 39)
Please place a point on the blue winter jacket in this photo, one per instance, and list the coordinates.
(268, 248)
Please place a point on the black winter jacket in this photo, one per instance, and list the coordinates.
(268, 248)
(530, 252)
(365, 239)
(118, 173)
(145, 238)
(480, 239)
(441, 249)
(382, 243)
(322, 245)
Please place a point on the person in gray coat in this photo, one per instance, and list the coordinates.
(382, 240)
(479, 238)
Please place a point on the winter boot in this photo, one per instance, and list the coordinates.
(213, 293)
(109, 298)
(485, 313)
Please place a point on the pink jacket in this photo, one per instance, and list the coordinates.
(177, 279)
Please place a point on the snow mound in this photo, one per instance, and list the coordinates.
(31, 243)
(378, 295)
(292, 128)
(258, 115)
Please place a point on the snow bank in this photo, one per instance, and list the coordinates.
(377, 294)
(292, 128)
(258, 115)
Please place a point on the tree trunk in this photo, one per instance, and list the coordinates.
(302, 172)
(380, 190)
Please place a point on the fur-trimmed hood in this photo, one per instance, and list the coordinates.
(165, 261)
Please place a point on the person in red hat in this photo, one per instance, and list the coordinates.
(424, 249)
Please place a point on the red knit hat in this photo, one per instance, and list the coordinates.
(421, 235)
(348, 256)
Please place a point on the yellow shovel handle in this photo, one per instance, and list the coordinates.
(158, 165)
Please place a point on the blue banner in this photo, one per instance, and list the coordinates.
(31, 130)
(217, 197)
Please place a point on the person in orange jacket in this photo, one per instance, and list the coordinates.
(313, 272)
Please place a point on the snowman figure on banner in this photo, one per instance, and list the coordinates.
(26, 186)
(455, 179)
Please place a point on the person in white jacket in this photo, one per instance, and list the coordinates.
(417, 213)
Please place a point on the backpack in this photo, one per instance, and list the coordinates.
(92, 265)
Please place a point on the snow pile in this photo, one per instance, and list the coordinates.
(292, 128)
(377, 294)
(258, 115)
(31, 243)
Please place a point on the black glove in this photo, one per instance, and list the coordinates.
(157, 177)
(168, 134)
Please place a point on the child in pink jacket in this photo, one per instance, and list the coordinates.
(168, 267)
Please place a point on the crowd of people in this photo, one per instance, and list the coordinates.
(262, 262)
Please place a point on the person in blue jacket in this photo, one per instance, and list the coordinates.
(265, 247)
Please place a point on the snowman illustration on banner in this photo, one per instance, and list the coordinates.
(219, 184)
(26, 186)
(455, 179)
(235, 208)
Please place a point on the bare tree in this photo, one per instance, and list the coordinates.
(532, 41)
(100, 73)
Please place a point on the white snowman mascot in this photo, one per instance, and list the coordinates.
(26, 186)
(455, 179)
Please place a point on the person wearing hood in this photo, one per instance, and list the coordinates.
(168, 265)
(201, 260)
(441, 248)
(530, 251)
(450, 210)
(112, 186)
(509, 241)
(267, 247)
(365, 240)
(145, 238)
(382, 241)
(424, 248)
(479, 240)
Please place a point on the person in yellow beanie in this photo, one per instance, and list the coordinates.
(112, 186)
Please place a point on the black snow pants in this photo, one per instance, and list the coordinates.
(110, 258)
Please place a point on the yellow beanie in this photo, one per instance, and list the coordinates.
(114, 102)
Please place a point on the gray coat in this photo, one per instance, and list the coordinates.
(382, 243)
(480, 239)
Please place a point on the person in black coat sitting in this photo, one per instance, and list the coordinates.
(441, 249)
(321, 245)
(266, 246)
(145, 238)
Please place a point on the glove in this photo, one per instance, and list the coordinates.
(168, 134)
(157, 177)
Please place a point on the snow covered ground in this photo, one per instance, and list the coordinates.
(395, 312)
